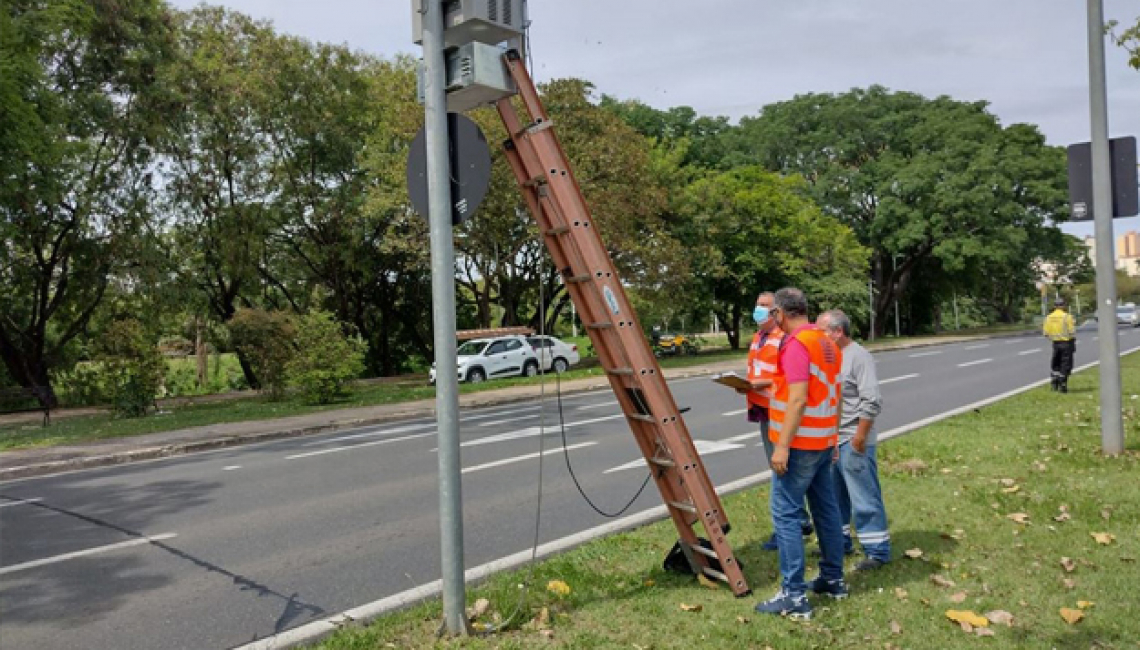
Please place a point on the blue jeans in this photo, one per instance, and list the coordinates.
(809, 473)
(769, 446)
(857, 488)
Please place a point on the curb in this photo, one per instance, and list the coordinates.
(179, 449)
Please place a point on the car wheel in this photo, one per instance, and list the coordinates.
(476, 376)
(530, 369)
(560, 365)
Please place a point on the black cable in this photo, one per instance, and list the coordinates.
(570, 467)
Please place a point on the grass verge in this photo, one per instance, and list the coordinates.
(97, 427)
(950, 490)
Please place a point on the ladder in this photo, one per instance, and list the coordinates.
(571, 237)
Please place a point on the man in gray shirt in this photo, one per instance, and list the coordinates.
(857, 472)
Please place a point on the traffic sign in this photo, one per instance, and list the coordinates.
(1125, 202)
(470, 159)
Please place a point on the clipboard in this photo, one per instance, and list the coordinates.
(732, 380)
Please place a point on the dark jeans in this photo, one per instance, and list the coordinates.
(1063, 357)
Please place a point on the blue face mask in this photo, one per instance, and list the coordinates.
(760, 314)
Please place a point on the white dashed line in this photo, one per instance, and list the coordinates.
(925, 354)
(596, 406)
(899, 378)
(518, 459)
(732, 413)
(493, 423)
(1033, 351)
(19, 502)
(363, 444)
(976, 347)
(974, 363)
(231, 468)
(91, 551)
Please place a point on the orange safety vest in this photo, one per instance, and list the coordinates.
(818, 426)
(762, 361)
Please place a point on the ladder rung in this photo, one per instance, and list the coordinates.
(535, 181)
(577, 279)
(684, 505)
(535, 127)
(699, 548)
(619, 371)
(663, 462)
(713, 573)
(641, 416)
(599, 326)
(560, 230)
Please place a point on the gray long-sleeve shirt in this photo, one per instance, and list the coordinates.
(861, 398)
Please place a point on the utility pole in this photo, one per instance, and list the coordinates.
(1111, 426)
(443, 318)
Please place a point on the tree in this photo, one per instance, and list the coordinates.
(326, 358)
(130, 367)
(749, 230)
(918, 180)
(1129, 39)
(78, 103)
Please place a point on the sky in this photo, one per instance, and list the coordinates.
(1028, 58)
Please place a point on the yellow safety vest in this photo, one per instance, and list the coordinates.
(1060, 326)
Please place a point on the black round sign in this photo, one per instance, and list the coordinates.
(470, 163)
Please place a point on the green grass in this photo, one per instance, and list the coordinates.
(97, 427)
(953, 507)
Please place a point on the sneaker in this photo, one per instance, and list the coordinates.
(837, 589)
(785, 604)
(870, 564)
(771, 544)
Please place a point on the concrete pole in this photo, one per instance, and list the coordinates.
(1111, 426)
(443, 319)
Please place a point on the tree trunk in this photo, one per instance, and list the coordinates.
(200, 352)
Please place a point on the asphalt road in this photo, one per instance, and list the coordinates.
(217, 549)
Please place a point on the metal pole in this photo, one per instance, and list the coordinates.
(443, 319)
(956, 326)
(871, 302)
(895, 266)
(1111, 426)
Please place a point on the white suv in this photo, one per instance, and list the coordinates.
(501, 356)
(555, 354)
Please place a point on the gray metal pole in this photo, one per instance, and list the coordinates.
(1111, 427)
(443, 319)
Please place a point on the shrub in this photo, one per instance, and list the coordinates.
(131, 367)
(266, 340)
(326, 359)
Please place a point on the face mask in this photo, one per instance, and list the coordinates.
(760, 314)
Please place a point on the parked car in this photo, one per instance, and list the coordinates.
(554, 353)
(501, 356)
(1127, 315)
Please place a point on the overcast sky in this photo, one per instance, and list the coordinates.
(1028, 58)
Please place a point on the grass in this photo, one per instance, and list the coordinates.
(949, 490)
(98, 427)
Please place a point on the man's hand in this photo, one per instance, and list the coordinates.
(779, 460)
(859, 443)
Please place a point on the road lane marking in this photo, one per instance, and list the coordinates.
(1025, 352)
(19, 502)
(493, 423)
(732, 413)
(373, 433)
(925, 354)
(974, 363)
(519, 459)
(534, 431)
(976, 347)
(363, 444)
(704, 448)
(91, 551)
(597, 406)
(484, 416)
(899, 378)
(231, 468)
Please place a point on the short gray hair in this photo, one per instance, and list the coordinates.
(768, 294)
(792, 302)
(837, 320)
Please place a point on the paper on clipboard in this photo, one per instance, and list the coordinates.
(732, 380)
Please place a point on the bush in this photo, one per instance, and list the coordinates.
(326, 359)
(82, 385)
(131, 368)
(265, 339)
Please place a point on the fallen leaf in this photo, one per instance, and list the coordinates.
(1106, 514)
(1085, 604)
(543, 618)
(966, 627)
(967, 616)
(1012, 489)
(649, 582)
(1069, 584)
(1008, 482)
(914, 553)
(959, 534)
(958, 597)
(1103, 538)
(478, 609)
(705, 582)
(548, 634)
(1068, 564)
(896, 628)
(1072, 616)
(984, 631)
(691, 608)
(1019, 517)
(558, 587)
(913, 466)
(941, 581)
(1064, 516)
(1000, 617)
(741, 620)
(900, 593)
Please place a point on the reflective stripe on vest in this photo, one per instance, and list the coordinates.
(762, 364)
(818, 424)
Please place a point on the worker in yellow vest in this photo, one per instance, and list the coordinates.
(1062, 330)
(762, 358)
(805, 414)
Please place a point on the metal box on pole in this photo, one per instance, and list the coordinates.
(483, 21)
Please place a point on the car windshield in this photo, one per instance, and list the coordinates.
(1124, 310)
(471, 348)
